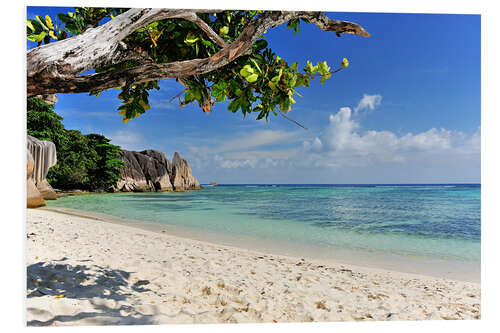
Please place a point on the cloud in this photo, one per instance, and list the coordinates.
(244, 141)
(164, 105)
(342, 144)
(343, 152)
(369, 102)
(127, 139)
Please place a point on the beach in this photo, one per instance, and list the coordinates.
(84, 271)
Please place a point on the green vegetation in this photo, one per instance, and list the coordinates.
(86, 162)
(259, 82)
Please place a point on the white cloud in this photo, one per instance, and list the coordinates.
(369, 102)
(344, 150)
(246, 140)
(343, 144)
(127, 139)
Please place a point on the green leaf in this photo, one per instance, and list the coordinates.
(52, 34)
(33, 38)
(272, 86)
(191, 39)
(48, 22)
(40, 36)
(41, 22)
(252, 77)
(30, 25)
(261, 115)
(224, 31)
(170, 27)
(206, 43)
(246, 71)
(144, 105)
(64, 17)
(260, 44)
(233, 105)
(256, 65)
(188, 96)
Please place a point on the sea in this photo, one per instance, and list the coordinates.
(430, 229)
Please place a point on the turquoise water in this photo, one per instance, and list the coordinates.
(426, 221)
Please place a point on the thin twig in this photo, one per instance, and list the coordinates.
(293, 121)
(176, 96)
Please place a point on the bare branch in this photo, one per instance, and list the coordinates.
(293, 121)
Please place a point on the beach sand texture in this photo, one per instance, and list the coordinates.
(81, 271)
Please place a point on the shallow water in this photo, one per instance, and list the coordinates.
(419, 221)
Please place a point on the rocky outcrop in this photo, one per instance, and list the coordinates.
(41, 156)
(182, 177)
(150, 170)
(146, 171)
(33, 197)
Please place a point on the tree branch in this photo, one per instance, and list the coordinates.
(206, 28)
(50, 73)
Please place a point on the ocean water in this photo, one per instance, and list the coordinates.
(415, 221)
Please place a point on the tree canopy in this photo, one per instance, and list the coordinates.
(217, 55)
(83, 161)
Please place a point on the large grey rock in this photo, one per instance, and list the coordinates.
(157, 169)
(182, 176)
(150, 170)
(44, 157)
(145, 171)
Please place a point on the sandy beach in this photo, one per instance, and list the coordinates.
(82, 271)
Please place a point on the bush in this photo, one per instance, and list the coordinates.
(87, 162)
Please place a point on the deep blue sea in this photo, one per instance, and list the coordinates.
(426, 221)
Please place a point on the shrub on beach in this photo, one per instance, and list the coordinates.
(87, 162)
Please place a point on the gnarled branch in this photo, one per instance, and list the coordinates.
(49, 72)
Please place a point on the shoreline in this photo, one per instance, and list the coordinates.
(85, 272)
(422, 267)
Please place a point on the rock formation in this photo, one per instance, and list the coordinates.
(41, 156)
(182, 176)
(33, 196)
(145, 171)
(150, 170)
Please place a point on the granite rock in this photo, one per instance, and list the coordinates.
(33, 197)
(43, 155)
(149, 170)
(182, 176)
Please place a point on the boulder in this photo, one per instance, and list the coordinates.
(158, 169)
(33, 197)
(150, 170)
(145, 171)
(182, 176)
(43, 155)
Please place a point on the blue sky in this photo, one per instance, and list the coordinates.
(406, 110)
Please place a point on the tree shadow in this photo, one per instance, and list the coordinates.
(82, 282)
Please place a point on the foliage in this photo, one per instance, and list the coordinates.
(260, 82)
(83, 161)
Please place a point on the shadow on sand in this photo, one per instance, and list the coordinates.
(102, 288)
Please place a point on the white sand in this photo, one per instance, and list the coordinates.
(87, 272)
